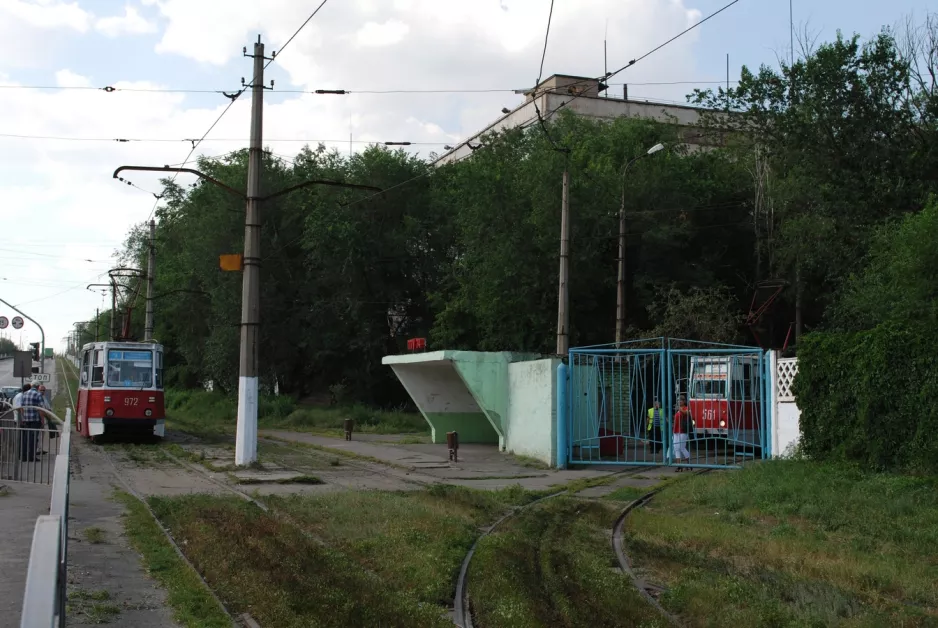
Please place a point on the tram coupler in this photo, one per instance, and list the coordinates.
(452, 443)
(349, 425)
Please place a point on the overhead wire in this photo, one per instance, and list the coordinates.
(217, 139)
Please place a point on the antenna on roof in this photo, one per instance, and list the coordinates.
(606, 57)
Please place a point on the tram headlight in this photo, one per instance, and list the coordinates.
(148, 412)
(109, 412)
(722, 423)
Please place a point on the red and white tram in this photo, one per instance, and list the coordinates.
(725, 399)
(120, 389)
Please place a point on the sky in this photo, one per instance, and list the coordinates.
(64, 216)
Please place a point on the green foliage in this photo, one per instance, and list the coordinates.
(7, 346)
(866, 395)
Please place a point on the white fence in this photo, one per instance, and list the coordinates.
(45, 596)
(785, 412)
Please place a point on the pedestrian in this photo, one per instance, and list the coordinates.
(31, 422)
(47, 421)
(653, 429)
(18, 403)
(683, 424)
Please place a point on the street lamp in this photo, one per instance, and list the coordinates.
(620, 284)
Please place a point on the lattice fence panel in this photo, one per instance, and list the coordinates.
(785, 376)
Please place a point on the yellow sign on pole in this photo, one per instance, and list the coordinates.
(231, 262)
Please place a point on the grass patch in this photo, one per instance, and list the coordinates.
(193, 605)
(413, 540)
(92, 607)
(212, 415)
(552, 566)
(529, 462)
(627, 493)
(298, 479)
(280, 575)
(94, 535)
(4, 490)
(793, 543)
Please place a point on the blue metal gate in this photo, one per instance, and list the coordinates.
(667, 402)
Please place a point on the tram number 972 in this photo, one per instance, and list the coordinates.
(131, 401)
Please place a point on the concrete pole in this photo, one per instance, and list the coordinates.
(246, 440)
(620, 284)
(151, 268)
(113, 309)
(563, 302)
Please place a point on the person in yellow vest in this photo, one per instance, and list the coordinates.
(653, 430)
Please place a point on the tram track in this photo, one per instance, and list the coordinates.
(461, 607)
(644, 588)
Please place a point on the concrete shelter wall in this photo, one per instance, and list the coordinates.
(531, 428)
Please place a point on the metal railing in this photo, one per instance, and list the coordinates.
(45, 596)
(27, 454)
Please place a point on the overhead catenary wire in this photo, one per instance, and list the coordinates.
(66, 138)
(343, 92)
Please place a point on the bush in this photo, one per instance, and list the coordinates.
(868, 396)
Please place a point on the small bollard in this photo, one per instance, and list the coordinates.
(452, 442)
(349, 426)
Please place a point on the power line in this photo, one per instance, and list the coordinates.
(340, 92)
(678, 36)
(302, 26)
(196, 143)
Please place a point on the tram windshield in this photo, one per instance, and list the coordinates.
(129, 369)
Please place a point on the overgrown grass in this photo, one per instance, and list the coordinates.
(793, 543)
(212, 414)
(282, 575)
(413, 540)
(193, 605)
(94, 535)
(552, 566)
(60, 399)
(91, 607)
(297, 479)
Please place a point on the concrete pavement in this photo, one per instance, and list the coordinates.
(20, 505)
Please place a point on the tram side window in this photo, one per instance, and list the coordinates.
(85, 368)
(97, 370)
(159, 369)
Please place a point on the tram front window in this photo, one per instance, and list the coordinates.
(131, 369)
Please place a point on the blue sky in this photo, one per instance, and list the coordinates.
(69, 210)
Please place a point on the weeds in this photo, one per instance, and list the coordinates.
(793, 542)
(193, 605)
(280, 575)
(94, 535)
(92, 606)
(298, 479)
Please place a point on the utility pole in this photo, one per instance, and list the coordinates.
(563, 303)
(246, 440)
(96, 316)
(113, 309)
(151, 268)
(620, 284)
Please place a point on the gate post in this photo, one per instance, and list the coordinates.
(562, 413)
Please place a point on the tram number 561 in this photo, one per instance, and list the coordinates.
(131, 401)
(709, 414)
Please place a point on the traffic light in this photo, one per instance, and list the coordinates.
(35, 346)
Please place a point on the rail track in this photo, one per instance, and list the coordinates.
(462, 613)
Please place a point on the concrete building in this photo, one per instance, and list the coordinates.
(581, 95)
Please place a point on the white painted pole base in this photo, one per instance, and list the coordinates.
(246, 442)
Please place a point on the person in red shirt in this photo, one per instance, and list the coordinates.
(683, 425)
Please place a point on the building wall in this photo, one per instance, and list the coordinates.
(531, 428)
(687, 118)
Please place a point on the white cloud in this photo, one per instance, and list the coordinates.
(61, 194)
(47, 14)
(131, 23)
(67, 78)
(387, 34)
